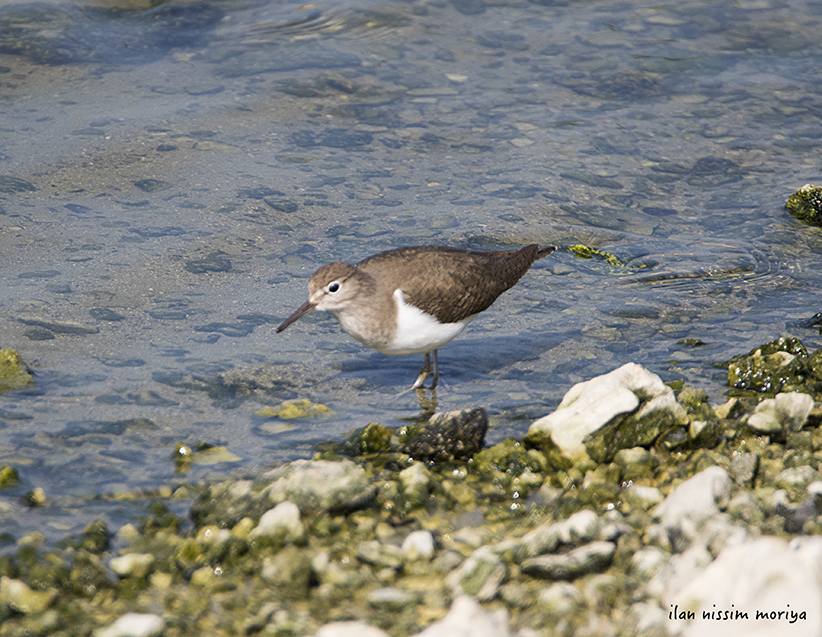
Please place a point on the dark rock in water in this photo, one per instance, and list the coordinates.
(10, 185)
(104, 314)
(214, 262)
(152, 185)
(453, 435)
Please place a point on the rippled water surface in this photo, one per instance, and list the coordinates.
(170, 176)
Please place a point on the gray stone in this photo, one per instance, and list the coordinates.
(801, 476)
(321, 484)
(133, 625)
(767, 574)
(132, 564)
(561, 599)
(415, 483)
(349, 629)
(692, 503)
(379, 554)
(781, 415)
(589, 558)
(744, 468)
(418, 545)
(582, 526)
(282, 523)
(392, 599)
(466, 618)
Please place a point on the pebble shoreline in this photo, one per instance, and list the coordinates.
(636, 508)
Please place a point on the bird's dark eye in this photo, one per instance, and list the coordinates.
(333, 287)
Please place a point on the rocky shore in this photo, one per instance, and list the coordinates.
(636, 508)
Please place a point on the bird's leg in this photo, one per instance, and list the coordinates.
(424, 371)
(436, 376)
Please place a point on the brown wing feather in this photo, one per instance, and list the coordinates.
(428, 276)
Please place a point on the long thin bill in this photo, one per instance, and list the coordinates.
(304, 309)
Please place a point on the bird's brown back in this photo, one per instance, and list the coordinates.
(430, 276)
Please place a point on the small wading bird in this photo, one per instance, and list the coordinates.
(415, 300)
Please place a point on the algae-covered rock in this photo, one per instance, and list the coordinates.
(295, 410)
(373, 438)
(625, 408)
(288, 572)
(8, 476)
(770, 367)
(806, 204)
(19, 597)
(14, 373)
(453, 435)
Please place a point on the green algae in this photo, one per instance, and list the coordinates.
(14, 373)
(806, 204)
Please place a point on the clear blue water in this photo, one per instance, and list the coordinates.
(171, 176)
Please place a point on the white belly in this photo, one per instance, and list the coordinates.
(418, 332)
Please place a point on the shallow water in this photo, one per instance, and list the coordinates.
(171, 176)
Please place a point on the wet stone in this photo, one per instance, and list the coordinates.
(448, 436)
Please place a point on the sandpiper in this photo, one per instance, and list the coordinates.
(415, 300)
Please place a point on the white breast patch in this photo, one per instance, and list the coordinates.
(418, 332)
